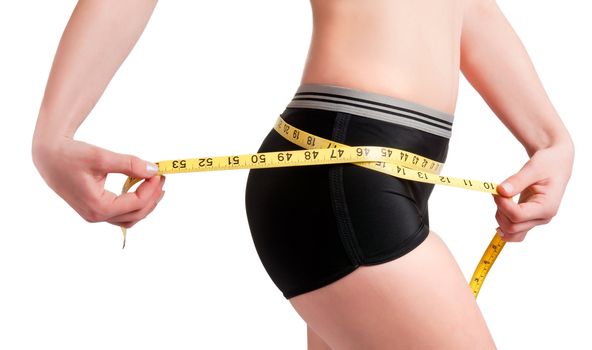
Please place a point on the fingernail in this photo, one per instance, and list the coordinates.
(507, 187)
(151, 167)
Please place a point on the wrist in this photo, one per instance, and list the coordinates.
(49, 131)
(563, 142)
(560, 153)
(558, 139)
(46, 143)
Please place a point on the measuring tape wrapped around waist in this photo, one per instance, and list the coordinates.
(318, 151)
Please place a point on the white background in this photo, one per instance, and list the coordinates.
(190, 277)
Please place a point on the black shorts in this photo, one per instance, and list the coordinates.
(312, 225)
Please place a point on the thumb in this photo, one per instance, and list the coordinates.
(518, 182)
(129, 165)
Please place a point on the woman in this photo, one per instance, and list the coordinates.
(380, 72)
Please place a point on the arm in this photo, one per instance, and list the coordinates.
(97, 39)
(497, 65)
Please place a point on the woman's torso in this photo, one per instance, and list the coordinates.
(408, 49)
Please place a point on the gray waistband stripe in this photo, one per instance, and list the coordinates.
(371, 105)
(373, 97)
(401, 112)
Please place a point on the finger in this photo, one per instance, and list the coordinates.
(146, 194)
(510, 227)
(516, 183)
(112, 162)
(140, 214)
(147, 198)
(513, 237)
(519, 212)
(124, 224)
(129, 220)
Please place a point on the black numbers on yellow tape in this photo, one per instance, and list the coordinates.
(178, 164)
(317, 150)
(387, 160)
(482, 269)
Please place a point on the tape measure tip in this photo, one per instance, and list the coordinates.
(124, 231)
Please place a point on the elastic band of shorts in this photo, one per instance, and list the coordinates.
(375, 106)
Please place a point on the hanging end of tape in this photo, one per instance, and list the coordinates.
(129, 182)
(124, 230)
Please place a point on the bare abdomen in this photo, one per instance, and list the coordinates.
(407, 49)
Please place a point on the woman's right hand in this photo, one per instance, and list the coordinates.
(98, 37)
(77, 171)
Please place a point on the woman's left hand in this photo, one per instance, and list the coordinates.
(541, 183)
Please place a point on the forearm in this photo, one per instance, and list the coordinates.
(496, 63)
(97, 39)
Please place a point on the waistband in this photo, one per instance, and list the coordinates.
(371, 105)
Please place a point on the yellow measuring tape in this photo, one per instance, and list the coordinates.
(317, 151)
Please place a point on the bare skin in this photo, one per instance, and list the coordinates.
(98, 37)
(413, 50)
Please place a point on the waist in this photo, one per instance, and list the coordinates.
(374, 106)
(356, 118)
(407, 49)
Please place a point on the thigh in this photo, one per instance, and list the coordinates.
(314, 342)
(418, 301)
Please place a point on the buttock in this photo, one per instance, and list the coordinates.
(312, 225)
